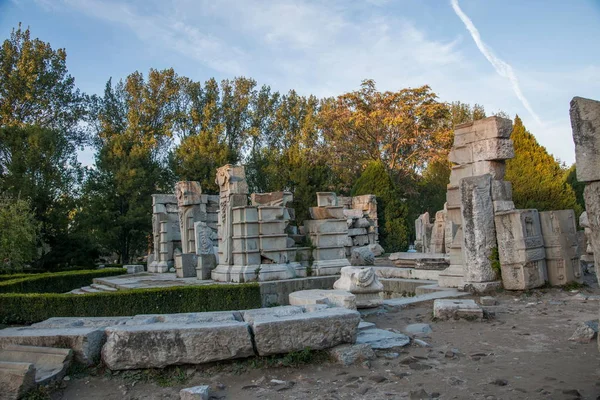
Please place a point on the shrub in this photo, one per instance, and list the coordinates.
(54, 282)
(34, 307)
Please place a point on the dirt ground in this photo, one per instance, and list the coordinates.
(521, 353)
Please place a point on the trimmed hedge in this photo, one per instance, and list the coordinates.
(55, 282)
(29, 308)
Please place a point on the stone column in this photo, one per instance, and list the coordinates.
(479, 232)
(585, 122)
(233, 192)
(192, 208)
(438, 234)
(165, 231)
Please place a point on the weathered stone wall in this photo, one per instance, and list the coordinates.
(361, 216)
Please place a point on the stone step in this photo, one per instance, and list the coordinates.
(76, 291)
(106, 282)
(50, 363)
(103, 288)
(403, 286)
(392, 272)
(16, 379)
(89, 289)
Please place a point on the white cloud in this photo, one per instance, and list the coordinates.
(501, 67)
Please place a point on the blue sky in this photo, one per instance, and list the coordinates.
(530, 57)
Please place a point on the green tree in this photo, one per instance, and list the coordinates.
(537, 178)
(136, 120)
(18, 236)
(571, 179)
(391, 208)
(36, 89)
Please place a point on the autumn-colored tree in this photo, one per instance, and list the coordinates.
(537, 179)
(403, 130)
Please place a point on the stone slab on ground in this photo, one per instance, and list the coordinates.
(364, 325)
(183, 318)
(348, 354)
(339, 298)
(86, 343)
(380, 339)
(49, 363)
(250, 316)
(317, 330)
(418, 330)
(404, 301)
(134, 269)
(456, 309)
(585, 332)
(159, 345)
(16, 379)
(195, 393)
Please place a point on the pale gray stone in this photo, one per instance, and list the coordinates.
(85, 342)
(16, 379)
(591, 195)
(316, 330)
(478, 228)
(445, 309)
(160, 345)
(493, 149)
(362, 223)
(348, 354)
(418, 330)
(488, 301)
(559, 231)
(585, 332)
(50, 363)
(376, 249)
(338, 298)
(195, 393)
(326, 199)
(585, 123)
(134, 269)
(362, 256)
(363, 283)
(250, 316)
(380, 339)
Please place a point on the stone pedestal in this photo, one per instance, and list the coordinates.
(521, 249)
(362, 283)
(185, 265)
(165, 232)
(328, 237)
(205, 251)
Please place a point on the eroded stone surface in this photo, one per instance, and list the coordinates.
(316, 330)
(16, 379)
(339, 298)
(160, 345)
(363, 283)
(445, 309)
(585, 122)
(362, 256)
(50, 363)
(348, 354)
(195, 393)
(380, 339)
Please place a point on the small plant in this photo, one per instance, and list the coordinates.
(309, 270)
(257, 272)
(573, 286)
(495, 261)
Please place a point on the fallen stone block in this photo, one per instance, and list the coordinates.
(376, 249)
(585, 332)
(16, 379)
(81, 322)
(445, 309)
(380, 339)
(160, 345)
(363, 283)
(284, 311)
(195, 393)
(348, 354)
(183, 318)
(86, 343)
(316, 331)
(362, 256)
(418, 330)
(134, 269)
(339, 298)
(50, 363)
(488, 301)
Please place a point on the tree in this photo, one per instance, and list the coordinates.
(18, 235)
(391, 208)
(402, 130)
(36, 89)
(537, 178)
(136, 120)
(571, 179)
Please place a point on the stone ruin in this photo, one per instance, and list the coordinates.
(184, 225)
(222, 237)
(585, 122)
(482, 233)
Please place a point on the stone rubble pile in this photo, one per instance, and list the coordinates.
(361, 216)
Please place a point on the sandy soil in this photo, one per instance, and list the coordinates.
(522, 353)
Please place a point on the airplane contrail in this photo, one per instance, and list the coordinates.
(501, 67)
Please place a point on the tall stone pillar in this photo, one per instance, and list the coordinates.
(192, 208)
(559, 230)
(585, 122)
(165, 232)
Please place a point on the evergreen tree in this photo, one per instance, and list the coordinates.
(571, 179)
(391, 208)
(536, 176)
